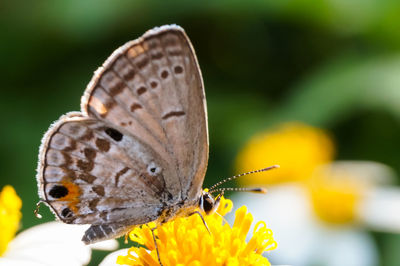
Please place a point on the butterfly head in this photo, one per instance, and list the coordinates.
(207, 203)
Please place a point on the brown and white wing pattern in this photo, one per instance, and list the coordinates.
(140, 144)
(94, 174)
(153, 89)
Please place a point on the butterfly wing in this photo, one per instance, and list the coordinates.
(89, 174)
(152, 87)
(141, 141)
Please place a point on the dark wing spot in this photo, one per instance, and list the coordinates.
(109, 104)
(175, 52)
(71, 147)
(90, 154)
(120, 173)
(173, 113)
(164, 74)
(116, 88)
(178, 69)
(134, 107)
(93, 204)
(88, 135)
(114, 134)
(153, 84)
(103, 145)
(157, 55)
(85, 166)
(99, 190)
(130, 75)
(141, 64)
(66, 212)
(58, 191)
(141, 90)
(87, 178)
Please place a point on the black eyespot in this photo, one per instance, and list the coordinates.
(208, 203)
(114, 134)
(58, 191)
(153, 169)
(66, 213)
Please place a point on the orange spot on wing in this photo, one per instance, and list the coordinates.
(98, 105)
(72, 197)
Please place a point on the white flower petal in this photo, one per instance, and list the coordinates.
(20, 262)
(111, 259)
(287, 212)
(366, 172)
(105, 245)
(345, 246)
(52, 231)
(53, 243)
(380, 210)
(302, 238)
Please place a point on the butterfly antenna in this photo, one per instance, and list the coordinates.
(239, 175)
(242, 189)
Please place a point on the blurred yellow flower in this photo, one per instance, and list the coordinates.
(185, 241)
(296, 147)
(10, 215)
(325, 203)
(335, 196)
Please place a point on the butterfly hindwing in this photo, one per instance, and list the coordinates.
(87, 176)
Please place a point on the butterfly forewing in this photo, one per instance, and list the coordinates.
(140, 144)
(153, 88)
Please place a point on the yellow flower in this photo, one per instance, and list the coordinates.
(296, 147)
(10, 215)
(186, 241)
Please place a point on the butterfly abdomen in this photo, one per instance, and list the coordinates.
(97, 233)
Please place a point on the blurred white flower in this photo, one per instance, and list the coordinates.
(49, 244)
(325, 220)
(320, 210)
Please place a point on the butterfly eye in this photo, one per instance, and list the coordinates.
(114, 134)
(153, 169)
(206, 203)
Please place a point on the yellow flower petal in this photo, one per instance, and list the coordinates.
(10, 215)
(185, 241)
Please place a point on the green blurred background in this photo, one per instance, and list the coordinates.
(333, 64)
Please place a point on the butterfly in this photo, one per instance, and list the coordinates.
(138, 150)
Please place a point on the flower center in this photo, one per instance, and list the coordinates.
(335, 200)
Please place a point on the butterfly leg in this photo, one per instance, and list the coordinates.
(204, 221)
(126, 238)
(155, 243)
